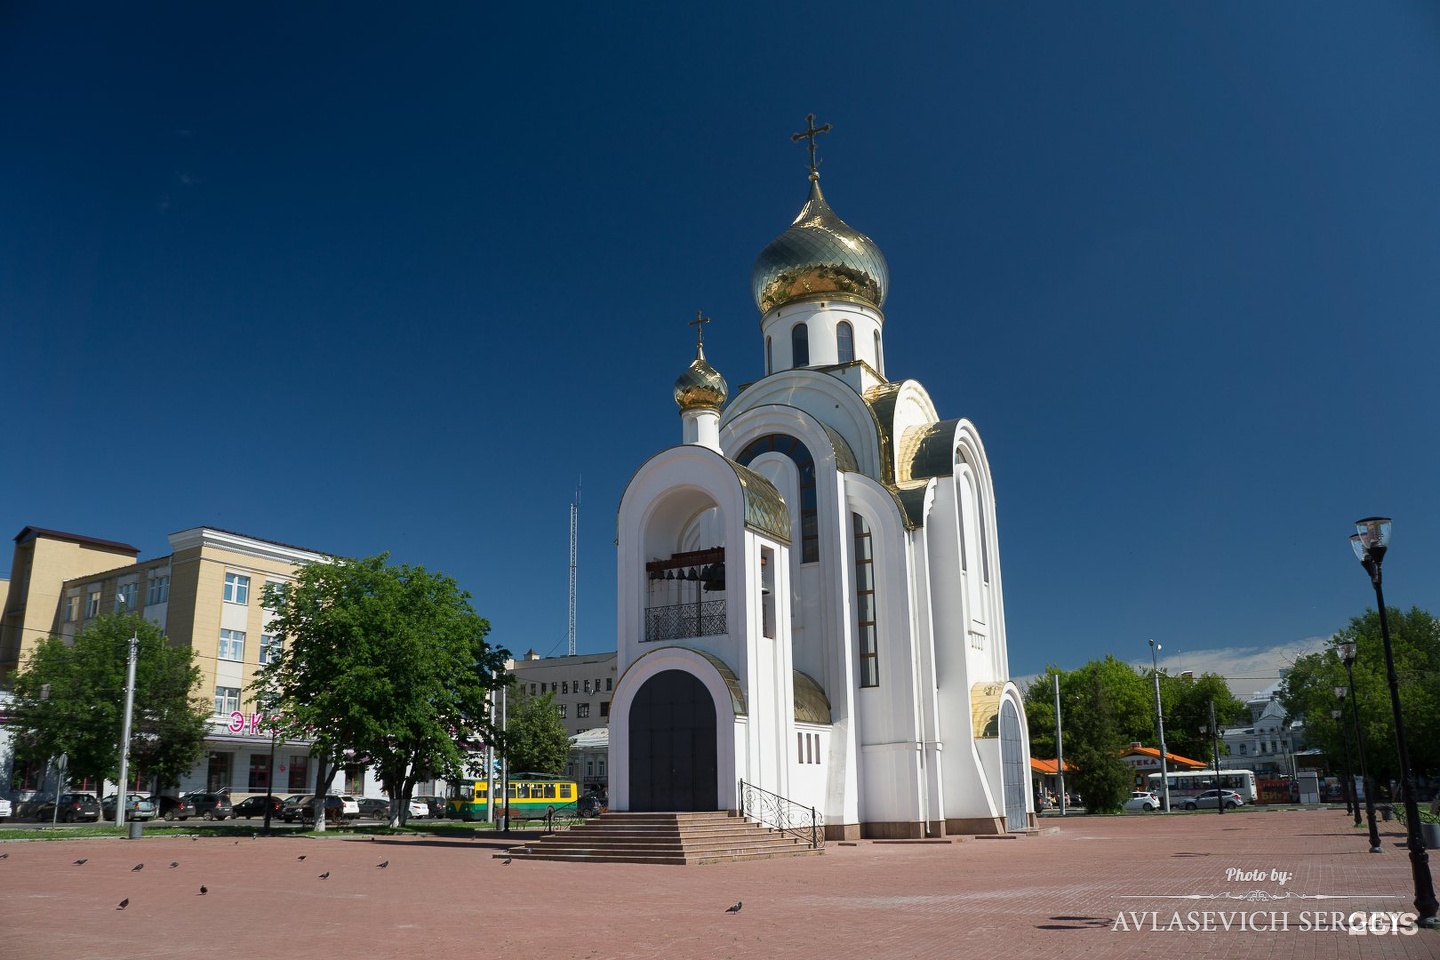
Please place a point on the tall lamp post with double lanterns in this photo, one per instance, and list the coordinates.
(1370, 543)
(1347, 657)
(1160, 728)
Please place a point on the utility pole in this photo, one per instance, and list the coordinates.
(121, 795)
(574, 540)
(1160, 727)
(1059, 747)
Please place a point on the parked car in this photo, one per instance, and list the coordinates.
(176, 808)
(5, 810)
(1142, 800)
(436, 807)
(376, 808)
(418, 808)
(1210, 800)
(337, 809)
(137, 807)
(255, 807)
(211, 806)
(593, 804)
(73, 806)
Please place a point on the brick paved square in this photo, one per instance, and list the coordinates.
(1055, 895)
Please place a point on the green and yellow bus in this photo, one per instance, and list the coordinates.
(532, 796)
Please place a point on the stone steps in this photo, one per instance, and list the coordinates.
(662, 838)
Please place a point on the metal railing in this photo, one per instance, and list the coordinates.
(703, 618)
(787, 816)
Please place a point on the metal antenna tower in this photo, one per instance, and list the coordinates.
(574, 531)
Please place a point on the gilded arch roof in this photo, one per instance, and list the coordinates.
(765, 510)
(927, 451)
(811, 703)
(985, 709)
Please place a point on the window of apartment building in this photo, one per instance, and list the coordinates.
(237, 588)
(274, 589)
(125, 596)
(158, 589)
(72, 608)
(354, 778)
(232, 644)
(587, 686)
(560, 708)
(259, 779)
(271, 647)
(605, 708)
(609, 681)
(92, 602)
(299, 764)
(602, 766)
(582, 710)
(227, 701)
(564, 686)
(532, 689)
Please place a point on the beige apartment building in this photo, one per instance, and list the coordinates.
(205, 594)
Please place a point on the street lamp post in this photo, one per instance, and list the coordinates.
(121, 795)
(1370, 543)
(1352, 802)
(1347, 656)
(1160, 727)
(1215, 752)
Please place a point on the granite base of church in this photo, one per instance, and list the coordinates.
(915, 830)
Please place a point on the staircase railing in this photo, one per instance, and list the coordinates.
(772, 810)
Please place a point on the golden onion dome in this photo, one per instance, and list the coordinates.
(700, 387)
(819, 257)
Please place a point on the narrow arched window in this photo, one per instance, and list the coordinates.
(769, 357)
(879, 363)
(845, 341)
(866, 618)
(799, 346)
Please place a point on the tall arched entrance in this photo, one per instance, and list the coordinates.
(1012, 766)
(672, 745)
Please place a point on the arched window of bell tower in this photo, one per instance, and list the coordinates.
(769, 357)
(800, 346)
(845, 341)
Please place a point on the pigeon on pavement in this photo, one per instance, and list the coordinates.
(80, 861)
(123, 904)
(204, 889)
(325, 875)
(735, 908)
(137, 868)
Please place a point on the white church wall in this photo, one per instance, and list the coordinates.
(971, 452)
(809, 749)
(822, 319)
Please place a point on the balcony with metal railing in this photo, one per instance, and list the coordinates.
(677, 621)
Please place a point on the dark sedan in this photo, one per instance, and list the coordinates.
(375, 808)
(176, 808)
(73, 807)
(211, 806)
(255, 807)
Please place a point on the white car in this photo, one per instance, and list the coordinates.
(418, 808)
(1142, 800)
(5, 811)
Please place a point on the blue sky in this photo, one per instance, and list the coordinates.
(362, 278)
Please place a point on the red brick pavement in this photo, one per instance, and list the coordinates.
(1055, 895)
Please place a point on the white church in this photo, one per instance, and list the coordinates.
(810, 597)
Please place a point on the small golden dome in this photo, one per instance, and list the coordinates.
(700, 387)
(819, 257)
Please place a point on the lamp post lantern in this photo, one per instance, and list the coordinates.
(1352, 800)
(1160, 728)
(1370, 543)
(1347, 656)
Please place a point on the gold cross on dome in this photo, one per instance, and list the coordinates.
(810, 133)
(697, 323)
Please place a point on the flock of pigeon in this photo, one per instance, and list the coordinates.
(733, 908)
(175, 863)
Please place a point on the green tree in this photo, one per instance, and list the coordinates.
(70, 699)
(1186, 701)
(1307, 692)
(535, 739)
(381, 664)
(1093, 743)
